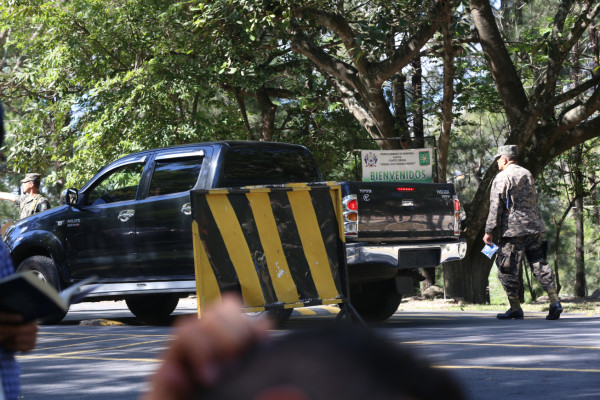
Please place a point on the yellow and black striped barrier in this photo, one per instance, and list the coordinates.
(280, 247)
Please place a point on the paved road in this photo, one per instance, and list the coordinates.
(530, 359)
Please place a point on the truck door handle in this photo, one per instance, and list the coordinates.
(187, 209)
(125, 215)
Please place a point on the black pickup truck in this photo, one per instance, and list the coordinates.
(130, 225)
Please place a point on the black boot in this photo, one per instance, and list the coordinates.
(555, 310)
(511, 314)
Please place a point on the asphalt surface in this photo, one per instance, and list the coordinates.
(100, 351)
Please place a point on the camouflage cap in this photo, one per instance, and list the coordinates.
(32, 176)
(508, 150)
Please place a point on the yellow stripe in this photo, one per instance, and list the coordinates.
(72, 335)
(218, 191)
(331, 309)
(72, 353)
(312, 243)
(516, 368)
(253, 309)
(237, 248)
(284, 285)
(297, 186)
(259, 190)
(336, 197)
(536, 346)
(207, 288)
(152, 360)
(87, 342)
(306, 311)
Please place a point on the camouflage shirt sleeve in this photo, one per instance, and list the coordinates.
(497, 202)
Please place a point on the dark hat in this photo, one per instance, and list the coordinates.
(32, 176)
(510, 150)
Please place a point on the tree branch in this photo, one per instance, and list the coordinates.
(582, 132)
(571, 94)
(340, 26)
(580, 113)
(559, 48)
(409, 50)
(505, 75)
(356, 109)
(348, 74)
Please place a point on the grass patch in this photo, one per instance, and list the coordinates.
(569, 305)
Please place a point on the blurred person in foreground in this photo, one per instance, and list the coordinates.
(226, 355)
(514, 210)
(14, 335)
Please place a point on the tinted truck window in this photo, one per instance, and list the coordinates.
(174, 175)
(260, 166)
(120, 184)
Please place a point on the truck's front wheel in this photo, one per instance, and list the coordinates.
(43, 267)
(152, 306)
(376, 301)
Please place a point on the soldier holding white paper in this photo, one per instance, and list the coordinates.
(514, 210)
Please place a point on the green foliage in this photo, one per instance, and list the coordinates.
(87, 81)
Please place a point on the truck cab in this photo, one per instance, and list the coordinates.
(130, 225)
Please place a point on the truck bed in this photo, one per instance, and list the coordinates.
(404, 212)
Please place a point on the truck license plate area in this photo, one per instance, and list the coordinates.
(418, 258)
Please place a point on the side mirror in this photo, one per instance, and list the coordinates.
(69, 197)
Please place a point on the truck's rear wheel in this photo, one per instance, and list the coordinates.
(376, 301)
(152, 306)
(43, 267)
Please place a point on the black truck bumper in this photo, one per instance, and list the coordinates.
(371, 262)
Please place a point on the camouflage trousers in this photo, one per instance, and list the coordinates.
(509, 257)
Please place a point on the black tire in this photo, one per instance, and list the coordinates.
(376, 301)
(279, 316)
(45, 269)
(152, 306)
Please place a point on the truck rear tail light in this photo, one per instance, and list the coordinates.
(350, 210)
(351, 203)
(405, 189)
(350, 216)
(457, 216)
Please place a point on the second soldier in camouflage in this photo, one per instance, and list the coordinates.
(514, 211)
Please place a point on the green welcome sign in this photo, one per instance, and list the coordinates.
(397, 165)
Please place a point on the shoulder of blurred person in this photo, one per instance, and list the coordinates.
(225, 355)
(338, 362)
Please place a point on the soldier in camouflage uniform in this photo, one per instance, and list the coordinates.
(514, 210)
(31, 201)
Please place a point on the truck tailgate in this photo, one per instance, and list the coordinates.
(396, 212)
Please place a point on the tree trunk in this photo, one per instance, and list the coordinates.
(242, 105)
(447, 97)
(595, 50)
(468, 278)
(429, 274)
(580, 282)
(417, 89)
(400, 112)
(418, 131)
(267, 110)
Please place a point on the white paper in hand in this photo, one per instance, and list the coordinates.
(489, 250)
